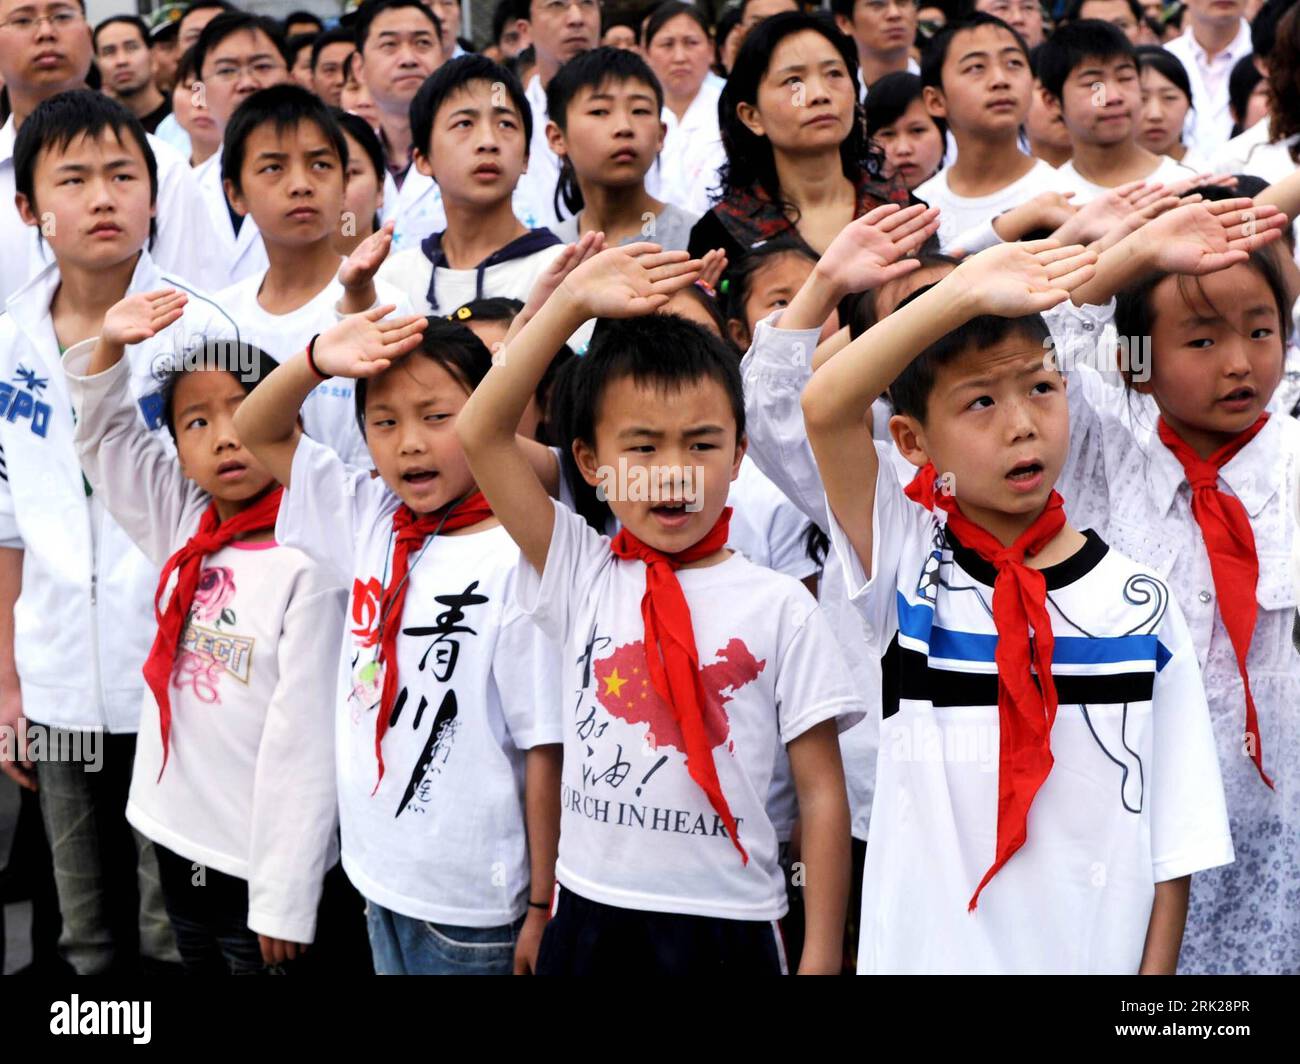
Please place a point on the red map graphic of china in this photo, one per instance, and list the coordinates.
(624, 688)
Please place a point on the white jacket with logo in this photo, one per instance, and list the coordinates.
(83, 622)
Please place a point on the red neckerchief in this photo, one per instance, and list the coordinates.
(411, 532)
(1230, 543)
(1026, 709)
(672, 658)
(187, 563)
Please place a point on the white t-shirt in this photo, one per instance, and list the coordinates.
(960, 217)
(328, 413)
(1134, 796)
(766, 527)
(686, 172)
(670, 228)
(249, 783)
(443, 838)
(635, 830)
(1167, 172)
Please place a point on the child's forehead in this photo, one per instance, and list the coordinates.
(610, 85)
(207, 385)
(1222, 294)
(987, 39)
(627, 402)
(84, 146)
(1012, 356)
(305, 133)
(781, 268)
(412, 381)
(478, 94)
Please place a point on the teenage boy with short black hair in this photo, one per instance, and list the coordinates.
(977, 78)
(39, 59)
(78, 593)
(1089, 70)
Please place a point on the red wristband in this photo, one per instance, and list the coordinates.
(311, 362)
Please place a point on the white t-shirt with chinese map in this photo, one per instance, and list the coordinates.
(635, 830)
(249, 785)
(1134, 796)
(328, 413)
(443, 837)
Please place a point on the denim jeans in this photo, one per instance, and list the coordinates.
(105, 871)
(403, 945)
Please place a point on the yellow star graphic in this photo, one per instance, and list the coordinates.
(614, 684)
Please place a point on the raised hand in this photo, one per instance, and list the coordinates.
(1012, 280)
(1181, 188)
(712, 267)
(363, 345)
(626, 282)
(1200, 238)
(360, 267)
(568, 260)
(1101, 214)
(141, 316)
(871, 249)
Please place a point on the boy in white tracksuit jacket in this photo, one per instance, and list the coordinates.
(81, 592)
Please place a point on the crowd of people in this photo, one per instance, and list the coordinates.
(666, 490)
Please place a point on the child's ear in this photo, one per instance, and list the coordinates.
(1049, 101)
(588, 466)
(909, 438)
(749, 118)
(739, 334)
(26, 210)
(935, 102)
(555, 138)
(235, 198)
(422, 163)
(663, 132)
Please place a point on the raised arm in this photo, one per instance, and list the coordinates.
(361, 345)
(618, 283)
(1196, 238)
(1010, 280)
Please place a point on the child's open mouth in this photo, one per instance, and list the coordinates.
(419, 476)
(671, 514)
(1238, 398)
(231, 470)
(1026, 476)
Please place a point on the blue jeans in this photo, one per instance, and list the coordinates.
(403, 945)
(106, 873)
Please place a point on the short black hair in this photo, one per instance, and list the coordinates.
(1168, 66)
(453, 76)
(302, 16)
(660, 350)
(287, 106)
(1073, 11)
(740, 278)
(489, 308)
(453, 347)
(941, 44)
(889, 96)
(668, 11)
(58, 121)
(187, 66)
(369, 11)
(295, 44)
(1241, 83)
(1263, 27)
(862, 312)
(229, 23)
(591, 70)
(1135, 316)
(324, 40)
(364, 134)
(1071, 44)
(255, 365)
(203, 5)
(501, 14)
(132, 20)
(910, 392)
(709, 304)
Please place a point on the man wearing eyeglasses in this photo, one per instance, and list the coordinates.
(884, 31)
(560, 30)
(45, 49)
(237, 54)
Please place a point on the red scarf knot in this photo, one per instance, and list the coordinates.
(1234, 563)
(1026, 689)
(410, 531)
(187, 563)
(672, 657)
